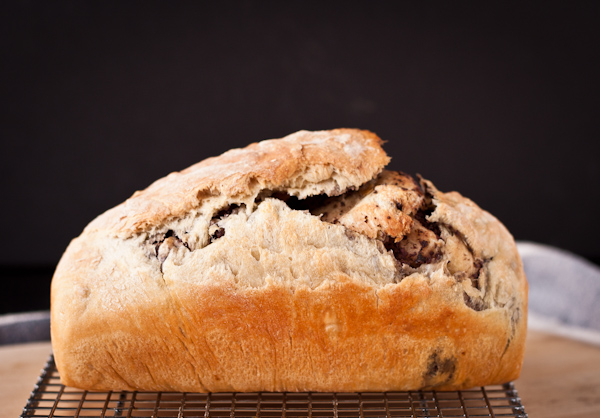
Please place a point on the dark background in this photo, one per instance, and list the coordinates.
(100, 99)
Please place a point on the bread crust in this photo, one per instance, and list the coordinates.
(209, 281)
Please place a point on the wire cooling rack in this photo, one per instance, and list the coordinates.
(52, 399)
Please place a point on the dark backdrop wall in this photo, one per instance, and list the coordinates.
(100, 99)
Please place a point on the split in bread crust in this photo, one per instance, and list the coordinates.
(291, 265)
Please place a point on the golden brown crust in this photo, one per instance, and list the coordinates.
(275, 298)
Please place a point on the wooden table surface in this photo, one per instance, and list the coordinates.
(560, 379)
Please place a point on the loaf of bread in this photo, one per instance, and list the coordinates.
(294, 264)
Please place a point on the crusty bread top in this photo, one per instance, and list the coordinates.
(303, 164)
(387, 213)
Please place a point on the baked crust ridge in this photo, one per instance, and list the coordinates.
(296, 264)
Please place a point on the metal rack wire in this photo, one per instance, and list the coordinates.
(52, 399)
